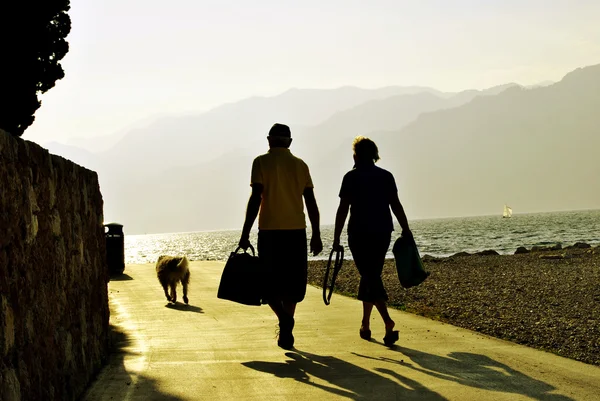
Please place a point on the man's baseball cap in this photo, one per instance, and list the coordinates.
(280, 130)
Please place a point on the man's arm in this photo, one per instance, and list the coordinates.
(316, 246)
(251, 213)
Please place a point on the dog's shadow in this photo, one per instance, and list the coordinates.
(184, 308)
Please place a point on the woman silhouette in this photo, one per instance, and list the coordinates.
(369, 192)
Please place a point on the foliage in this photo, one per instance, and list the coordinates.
(32, 45)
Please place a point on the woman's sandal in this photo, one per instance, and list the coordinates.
(391, 338)
(365, 334)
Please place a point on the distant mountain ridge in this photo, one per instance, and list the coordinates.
(452, 154)
(536, 148)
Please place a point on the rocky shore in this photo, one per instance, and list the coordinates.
(546, 298)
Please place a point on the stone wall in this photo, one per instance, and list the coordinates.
(53, 277)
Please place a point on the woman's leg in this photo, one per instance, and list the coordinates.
(365, 331)
(366, 320)
(382, 309)
(369, 256)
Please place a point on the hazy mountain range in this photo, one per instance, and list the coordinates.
(453, 154)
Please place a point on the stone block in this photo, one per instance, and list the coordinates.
(521, 250)
(8, 327)
(10, 389)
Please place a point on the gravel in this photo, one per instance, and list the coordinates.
(548, 299)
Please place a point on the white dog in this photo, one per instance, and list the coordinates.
(170, 270)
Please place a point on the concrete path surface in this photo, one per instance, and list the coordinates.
(219, 350)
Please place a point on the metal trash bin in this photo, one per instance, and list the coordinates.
(115, 248)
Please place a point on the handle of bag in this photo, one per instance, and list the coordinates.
(245, 250)
(339, 260)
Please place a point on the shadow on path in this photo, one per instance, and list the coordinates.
(474, 370)
(121, 277)
(114, 382)
(343, 378)
(184, 307)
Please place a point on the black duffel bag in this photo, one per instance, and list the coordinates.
(242, 280)
(408, 262)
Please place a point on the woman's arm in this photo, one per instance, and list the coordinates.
(398, 211)
(340, 220)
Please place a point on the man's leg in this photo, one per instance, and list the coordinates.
(284, 311)
(277, 307)
(285, 315)
(288, 258)
(267, 252)
(290, 308)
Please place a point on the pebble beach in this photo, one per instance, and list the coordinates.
(547, 299)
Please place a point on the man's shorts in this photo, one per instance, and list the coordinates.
(284, 256)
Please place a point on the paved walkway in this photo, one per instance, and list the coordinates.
(219, 350)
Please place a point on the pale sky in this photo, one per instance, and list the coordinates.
(133, 59)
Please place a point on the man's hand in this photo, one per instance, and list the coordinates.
(244, 242)
(336, 245)
(316, 245)
(407, 234)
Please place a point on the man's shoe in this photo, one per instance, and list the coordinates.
(286, 340)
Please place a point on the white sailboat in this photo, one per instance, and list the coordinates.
(507, 211)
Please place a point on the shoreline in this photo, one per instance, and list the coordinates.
(548, 299)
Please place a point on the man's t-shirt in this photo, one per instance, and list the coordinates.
(369, 189)
(284, 178)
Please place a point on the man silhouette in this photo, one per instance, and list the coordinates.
(279, 180)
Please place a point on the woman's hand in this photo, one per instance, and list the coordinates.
(336, 245)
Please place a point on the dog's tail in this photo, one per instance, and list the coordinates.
(183, 263)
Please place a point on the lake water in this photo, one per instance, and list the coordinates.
(436, 237)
